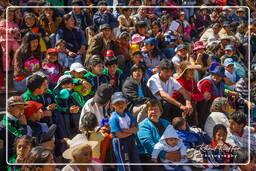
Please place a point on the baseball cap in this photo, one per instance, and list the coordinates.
(229, 47)
(15, 100)
(117, 97)
(103, 93)
(32, 107)
(179, 47)
(228, 61)
(77, 67)
(52, 50)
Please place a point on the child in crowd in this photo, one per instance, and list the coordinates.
(12, 35)
(70, 104)
(123, 125)
(66, 57)
(171, 142)
(43, 133)
(231, 77)
(220, 151)
(114, 74)
(95, 76)
(51, 67)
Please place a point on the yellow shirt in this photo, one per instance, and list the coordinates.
(96, 136)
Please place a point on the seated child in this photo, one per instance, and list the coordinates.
(123, 126)
(114, 74)
(231, 77)
(218, 151)
(170, 142)
(51, 67)
(66, 57)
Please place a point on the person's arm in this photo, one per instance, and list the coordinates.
(157, 149)
(122, 134)
(19, 66)
(169, 99)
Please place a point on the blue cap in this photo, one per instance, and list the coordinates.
(228, 61)
(226, 24)
(179, 47)
(219, 70)
(150, 40)
(118, 96)
(229, 47)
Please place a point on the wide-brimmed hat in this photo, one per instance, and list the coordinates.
(15, 100)
(219, 70)
(136, 38)
(103, 94)
(198, 45)
(185, 65)
(77, 142)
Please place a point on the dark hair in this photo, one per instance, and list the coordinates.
(25, 45)
(60, 41)
(95, 60)
(88, 123)
(218, 127)
(242, 155)
(54, 16)
(140, 24)
(138, 66)
(166, 64)
(65, 17)
(177, 122)
(30, 140)
(110, 60)
(126, 9)
(238, 117)
(154, 102)
(67, 81)
(34, 82)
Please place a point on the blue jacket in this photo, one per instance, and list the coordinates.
(188, 138)
(148, 136)
(105, 18)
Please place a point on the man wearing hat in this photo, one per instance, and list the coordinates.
(211, 32)
(99, 104)
(102, 42)
(15, 122)
(181, 55)
(226, 30)
(212, 87)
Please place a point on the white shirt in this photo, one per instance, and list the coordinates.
(124, 122)
(155, 85)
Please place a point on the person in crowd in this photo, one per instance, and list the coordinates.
(66, 57)
(102, 42)
(141, 16)
(242, 156)
(74, 36)
(27, 59)
(124, 127)
(79, 14)
(137, 92)
(142, 28)
(211, 32)
(203, 20)
(181, 55)
(150, 131)
(162, 85)
(114, 74)
(219, 111)
(231, 77)
(80, 151)
(12, 36)
(220, 152)
(125, 20)
(42, 155)
(239, 132)
(124, 45)
(170, 141)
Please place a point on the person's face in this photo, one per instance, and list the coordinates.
(230, 68)
(61, 47)
(229, 52)
(53, 57)
(200, 51)
(182, 53)
(77, 74)
(204, 11)
(240, 13)
(107, 33)
(220, 136)
(184, 126)
(137, 74)
(129, 12)
(48, 12)
(227, 28)
(216, 78)
(85, 155)
(17, 110)
(70, 22)
(33, 44)
(102, 9)
(155, 29)
(142, 31)
(143, 12)
(97, 69)
(30, 21)
(11, 16)
(120, 106)
(137, 58)
(76, 10)
(182, 17)
(43, 87)
(37, 115)
(235, 127)
(165, 74)
(149, 47)
(216, 30)
(112, 69)
(189, 74)
(171, 141)
(23, 149)
(154, 113)
(226, 108)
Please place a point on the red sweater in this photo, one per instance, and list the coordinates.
(206, 86)
(190, 86)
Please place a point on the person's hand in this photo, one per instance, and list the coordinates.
(234, 95)
(51, 107)
(174, 156)
(23, 119)
(207, 96)
(71, 53)
(184, 108)
(154, 160)
(155, 70)
(74, 109)
(250, 105)
(190, 108)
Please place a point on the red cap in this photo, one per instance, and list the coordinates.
(32, 107)
(52, 50)
(109, 53)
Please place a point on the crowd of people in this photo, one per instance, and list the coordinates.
(125, 85)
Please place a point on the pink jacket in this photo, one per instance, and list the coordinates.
(3, 25)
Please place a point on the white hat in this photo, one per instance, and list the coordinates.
(77, 67)
(78, 141)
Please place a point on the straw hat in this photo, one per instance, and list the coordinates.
(185, 65)
(77, 142)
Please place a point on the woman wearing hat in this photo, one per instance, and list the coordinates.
(185, 77)
(212, 87)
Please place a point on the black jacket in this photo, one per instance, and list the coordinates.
(130, 90)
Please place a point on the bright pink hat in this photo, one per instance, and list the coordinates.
(136, 38)
(198, 45)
